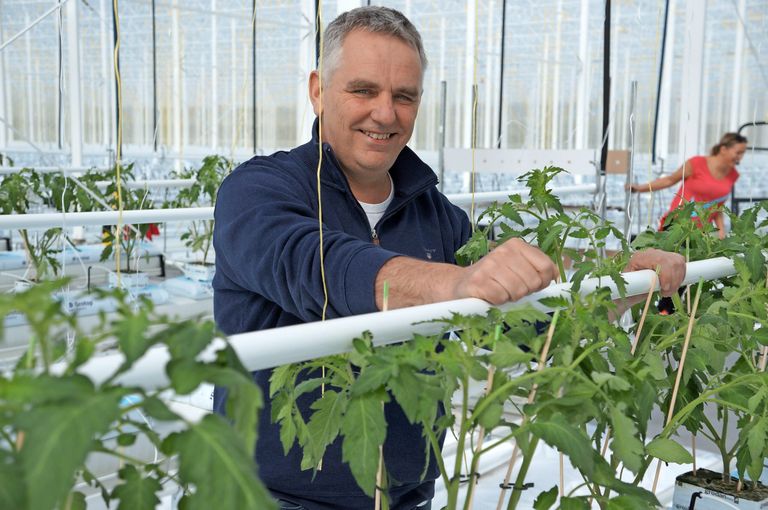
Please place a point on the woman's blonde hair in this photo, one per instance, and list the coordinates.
(728, 140)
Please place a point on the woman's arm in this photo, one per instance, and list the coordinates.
(665, 181)
(720, 224)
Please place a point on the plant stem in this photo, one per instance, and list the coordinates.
(679, 375)
(517, 489)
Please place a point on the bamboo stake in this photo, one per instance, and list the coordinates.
(764, 349)
(693, 447)
(531, 397)
(640, 324)
(679, 376)
(380, 470)
(481, 435)
(480, 440)
(645, 312)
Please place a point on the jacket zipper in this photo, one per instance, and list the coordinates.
(374, 236)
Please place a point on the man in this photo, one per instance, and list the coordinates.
(383, 221)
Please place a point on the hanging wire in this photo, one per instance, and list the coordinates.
(752, 48)
(320, 157)
(119, 148)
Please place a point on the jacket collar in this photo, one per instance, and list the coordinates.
(409, 173)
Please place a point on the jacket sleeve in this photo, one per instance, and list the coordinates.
(267, 241)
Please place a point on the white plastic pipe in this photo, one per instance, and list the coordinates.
(152, 183)
(50, 220)
(269, 348)
(7, 170)
(464, 199)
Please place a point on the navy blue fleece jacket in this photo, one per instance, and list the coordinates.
(268, 275)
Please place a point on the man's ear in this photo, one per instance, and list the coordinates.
(314, 92)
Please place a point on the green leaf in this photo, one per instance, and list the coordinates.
(325, 422)
(243, 401)
(614, 383)
(573, 504)
(217, 463)
(126, 439)
(546, 499)
(76, 501)
(557, 432)
(491, 415)
(372, 378)
(131, 332)
(755, 262)
(421, 405)
(668, 451)
(555, 302)
(626, 446)
(157, 409)
(185, 375)
(506, 355)
(630, 503)
(43, 388)
(12, 488)
(364, 429)
(58, 437)
(137, 492)
(756, 446)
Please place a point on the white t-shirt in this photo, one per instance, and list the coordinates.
(376, 211)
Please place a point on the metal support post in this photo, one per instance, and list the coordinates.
(693, 76)
(73, 86)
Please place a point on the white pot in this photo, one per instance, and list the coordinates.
(710, 498)
(199, 272)
(21, 286)
(129, 280)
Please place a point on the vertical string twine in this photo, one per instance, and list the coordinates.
(473, 141)
(119, 148)
(319, 27)
(380, 470)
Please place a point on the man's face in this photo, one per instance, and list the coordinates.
(369, 104)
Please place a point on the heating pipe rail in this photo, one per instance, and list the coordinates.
(292, 344)
(8, 170)
(136, 217)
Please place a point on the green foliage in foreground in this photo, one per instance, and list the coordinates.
(592, 389)
(52, 418)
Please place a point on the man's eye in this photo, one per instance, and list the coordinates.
(404, 98)
(362, 92)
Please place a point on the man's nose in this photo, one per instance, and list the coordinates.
(383, 109)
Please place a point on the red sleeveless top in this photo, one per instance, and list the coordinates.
(702, 187)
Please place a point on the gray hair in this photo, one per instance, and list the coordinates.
(373, 18)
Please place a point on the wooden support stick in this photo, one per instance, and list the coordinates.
(645, 313)
(480, 440)
(679, 376)
(693, 448)
(380, 470)
(531, 396)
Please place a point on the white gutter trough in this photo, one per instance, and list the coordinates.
(465, 199)
(269, 348)
(151, 183)
(51, 220)
(8, 170)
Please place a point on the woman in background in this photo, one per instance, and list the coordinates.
(706, 179)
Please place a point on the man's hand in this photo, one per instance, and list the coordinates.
(509, 272)
(672, 267)
(512, 270)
